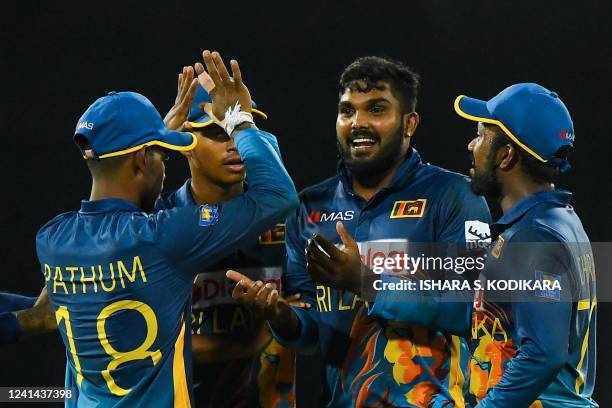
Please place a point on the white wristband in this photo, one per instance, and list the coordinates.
(233, 117)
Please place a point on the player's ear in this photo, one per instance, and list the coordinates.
(411, 121)
(507, 156)
(139, 161)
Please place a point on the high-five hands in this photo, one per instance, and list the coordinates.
(333, 267)
(227, 90)
(176, 117)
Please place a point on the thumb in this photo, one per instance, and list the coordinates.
(346, 238)
(237, 277)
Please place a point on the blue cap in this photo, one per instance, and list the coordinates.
(199, 118)
(531, 115)
(124, 122)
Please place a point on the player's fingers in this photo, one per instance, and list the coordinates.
(238, 292)
(211, 68)
(225, 76)
(293, 298)
(199, 68)
(190, 94)
(345, 236)
(261, 300)
(237, 276)
(236, 72)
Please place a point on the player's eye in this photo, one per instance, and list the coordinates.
(347, 111)
(377, 109)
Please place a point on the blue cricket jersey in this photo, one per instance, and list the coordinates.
(120, 281)
(372, 361)
(530, 346)
(265, 380)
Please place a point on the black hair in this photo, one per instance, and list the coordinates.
(539, 172)
(403, 81)
(95, 165)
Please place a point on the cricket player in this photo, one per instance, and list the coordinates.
(386, 197)
(531, 347)
(236, 361)
(22, 316)
(119, 279)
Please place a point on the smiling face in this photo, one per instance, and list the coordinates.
(216, 158)
(370, 128)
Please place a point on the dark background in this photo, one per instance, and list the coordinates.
(59, 57)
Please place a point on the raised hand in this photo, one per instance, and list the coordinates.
(262, 298)
(227, 90)
(177, 115)
(335, 268)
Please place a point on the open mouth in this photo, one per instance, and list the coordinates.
(363, 144)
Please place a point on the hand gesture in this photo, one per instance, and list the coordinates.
(177, 115)
(227, 90)
(262, 298)
(335, 268)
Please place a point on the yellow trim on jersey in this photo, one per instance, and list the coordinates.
(197, 125)
(179, 376)
(498, 123)
(455, 375)
(585, 342)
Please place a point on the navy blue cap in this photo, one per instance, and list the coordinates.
(199, 118)
(531, 115)
(124, 122)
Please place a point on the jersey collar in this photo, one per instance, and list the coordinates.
(558, 197)
(107, 205)
(184, 196)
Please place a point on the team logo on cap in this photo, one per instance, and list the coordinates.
(409, 208)
(209, 215)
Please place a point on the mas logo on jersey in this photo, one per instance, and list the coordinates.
(275, 235)
(554, 292)
(409, 208)
(209, 215)
(477, 234)
(321, 216)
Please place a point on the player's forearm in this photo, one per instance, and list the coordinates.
(269, 182)
(432, 309)
(297, 329)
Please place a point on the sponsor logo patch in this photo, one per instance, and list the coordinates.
(554, 294)
(321, 216)
(275, 235)
(477, 231)
(409, 208)
(209, 215)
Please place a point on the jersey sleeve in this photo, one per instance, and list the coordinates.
(462, 230)
(297, 280)
(541, 318)
(193, 237)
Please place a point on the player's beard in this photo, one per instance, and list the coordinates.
(388, 155)
(485, 182)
